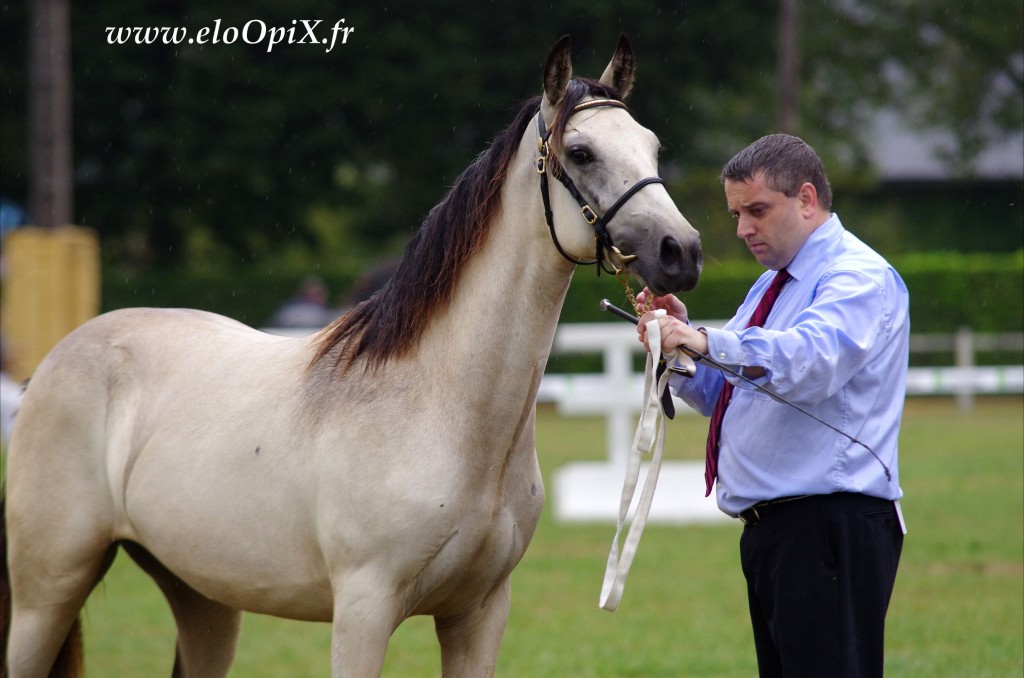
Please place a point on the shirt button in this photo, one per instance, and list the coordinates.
(722, 355)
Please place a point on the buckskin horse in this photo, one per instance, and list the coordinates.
(382, 468)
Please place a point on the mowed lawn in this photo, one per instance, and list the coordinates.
(958, 607)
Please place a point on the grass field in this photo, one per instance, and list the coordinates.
(958, 607)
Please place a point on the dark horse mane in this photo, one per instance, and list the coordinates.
(387, 325)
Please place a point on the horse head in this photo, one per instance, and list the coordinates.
(608, 163)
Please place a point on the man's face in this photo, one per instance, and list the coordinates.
(767, 220)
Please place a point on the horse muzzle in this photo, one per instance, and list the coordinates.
(667, 265)
(680, 264)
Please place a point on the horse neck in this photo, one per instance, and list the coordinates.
(502, 317)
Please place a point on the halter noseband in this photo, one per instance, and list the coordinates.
(603, 239)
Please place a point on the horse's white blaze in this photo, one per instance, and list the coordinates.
(265, 481)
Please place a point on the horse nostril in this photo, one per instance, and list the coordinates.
(670, 256)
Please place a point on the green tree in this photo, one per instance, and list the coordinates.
(227, 153)
(955, 68)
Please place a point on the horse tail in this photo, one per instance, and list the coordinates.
(70, 661)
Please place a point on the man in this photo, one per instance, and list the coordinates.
(826, 327)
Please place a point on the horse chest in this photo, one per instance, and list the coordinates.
(469, 558)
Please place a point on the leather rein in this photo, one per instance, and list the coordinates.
(604, 247)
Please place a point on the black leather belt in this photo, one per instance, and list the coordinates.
(757, 512)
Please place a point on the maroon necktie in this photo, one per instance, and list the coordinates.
(764, 307)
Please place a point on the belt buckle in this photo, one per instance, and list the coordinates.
(750, 516)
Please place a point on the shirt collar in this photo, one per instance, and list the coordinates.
(814, 248)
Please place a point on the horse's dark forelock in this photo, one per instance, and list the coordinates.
(389, 323)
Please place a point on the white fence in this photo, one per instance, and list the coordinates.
(618, 383)
(964, 378)
(590, 490)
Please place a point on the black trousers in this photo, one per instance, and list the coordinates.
(820, 573)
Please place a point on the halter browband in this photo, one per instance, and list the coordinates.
(603, 239)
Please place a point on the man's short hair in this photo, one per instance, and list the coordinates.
(786, 162)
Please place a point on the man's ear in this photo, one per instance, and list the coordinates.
(807, 196)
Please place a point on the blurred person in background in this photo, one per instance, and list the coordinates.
(307, 309)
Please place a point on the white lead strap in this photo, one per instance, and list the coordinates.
(649, 439)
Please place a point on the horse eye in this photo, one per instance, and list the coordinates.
(580, 156)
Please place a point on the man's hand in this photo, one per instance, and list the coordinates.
(672, 305)
(675, 331)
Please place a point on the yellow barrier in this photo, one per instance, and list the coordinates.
(51, 286)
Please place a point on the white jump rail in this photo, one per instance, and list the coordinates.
(589, 491)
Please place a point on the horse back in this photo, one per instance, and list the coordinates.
(90, 405)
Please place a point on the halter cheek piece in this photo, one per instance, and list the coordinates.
(604, 247)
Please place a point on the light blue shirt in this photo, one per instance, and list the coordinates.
(837, 344)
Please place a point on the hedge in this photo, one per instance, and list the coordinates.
(947, 290)
(249, 294)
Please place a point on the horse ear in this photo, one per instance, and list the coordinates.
(557, 72)
(621, 69)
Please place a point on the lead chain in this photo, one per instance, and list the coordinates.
(623, 277)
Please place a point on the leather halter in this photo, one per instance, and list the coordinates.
(604, 246)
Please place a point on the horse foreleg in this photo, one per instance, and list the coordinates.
(207, 631)
(470, 641)
(362, 626)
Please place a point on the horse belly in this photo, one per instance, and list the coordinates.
(226, 503)
(244, 545)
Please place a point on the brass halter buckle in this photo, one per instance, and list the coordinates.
(589, 214)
